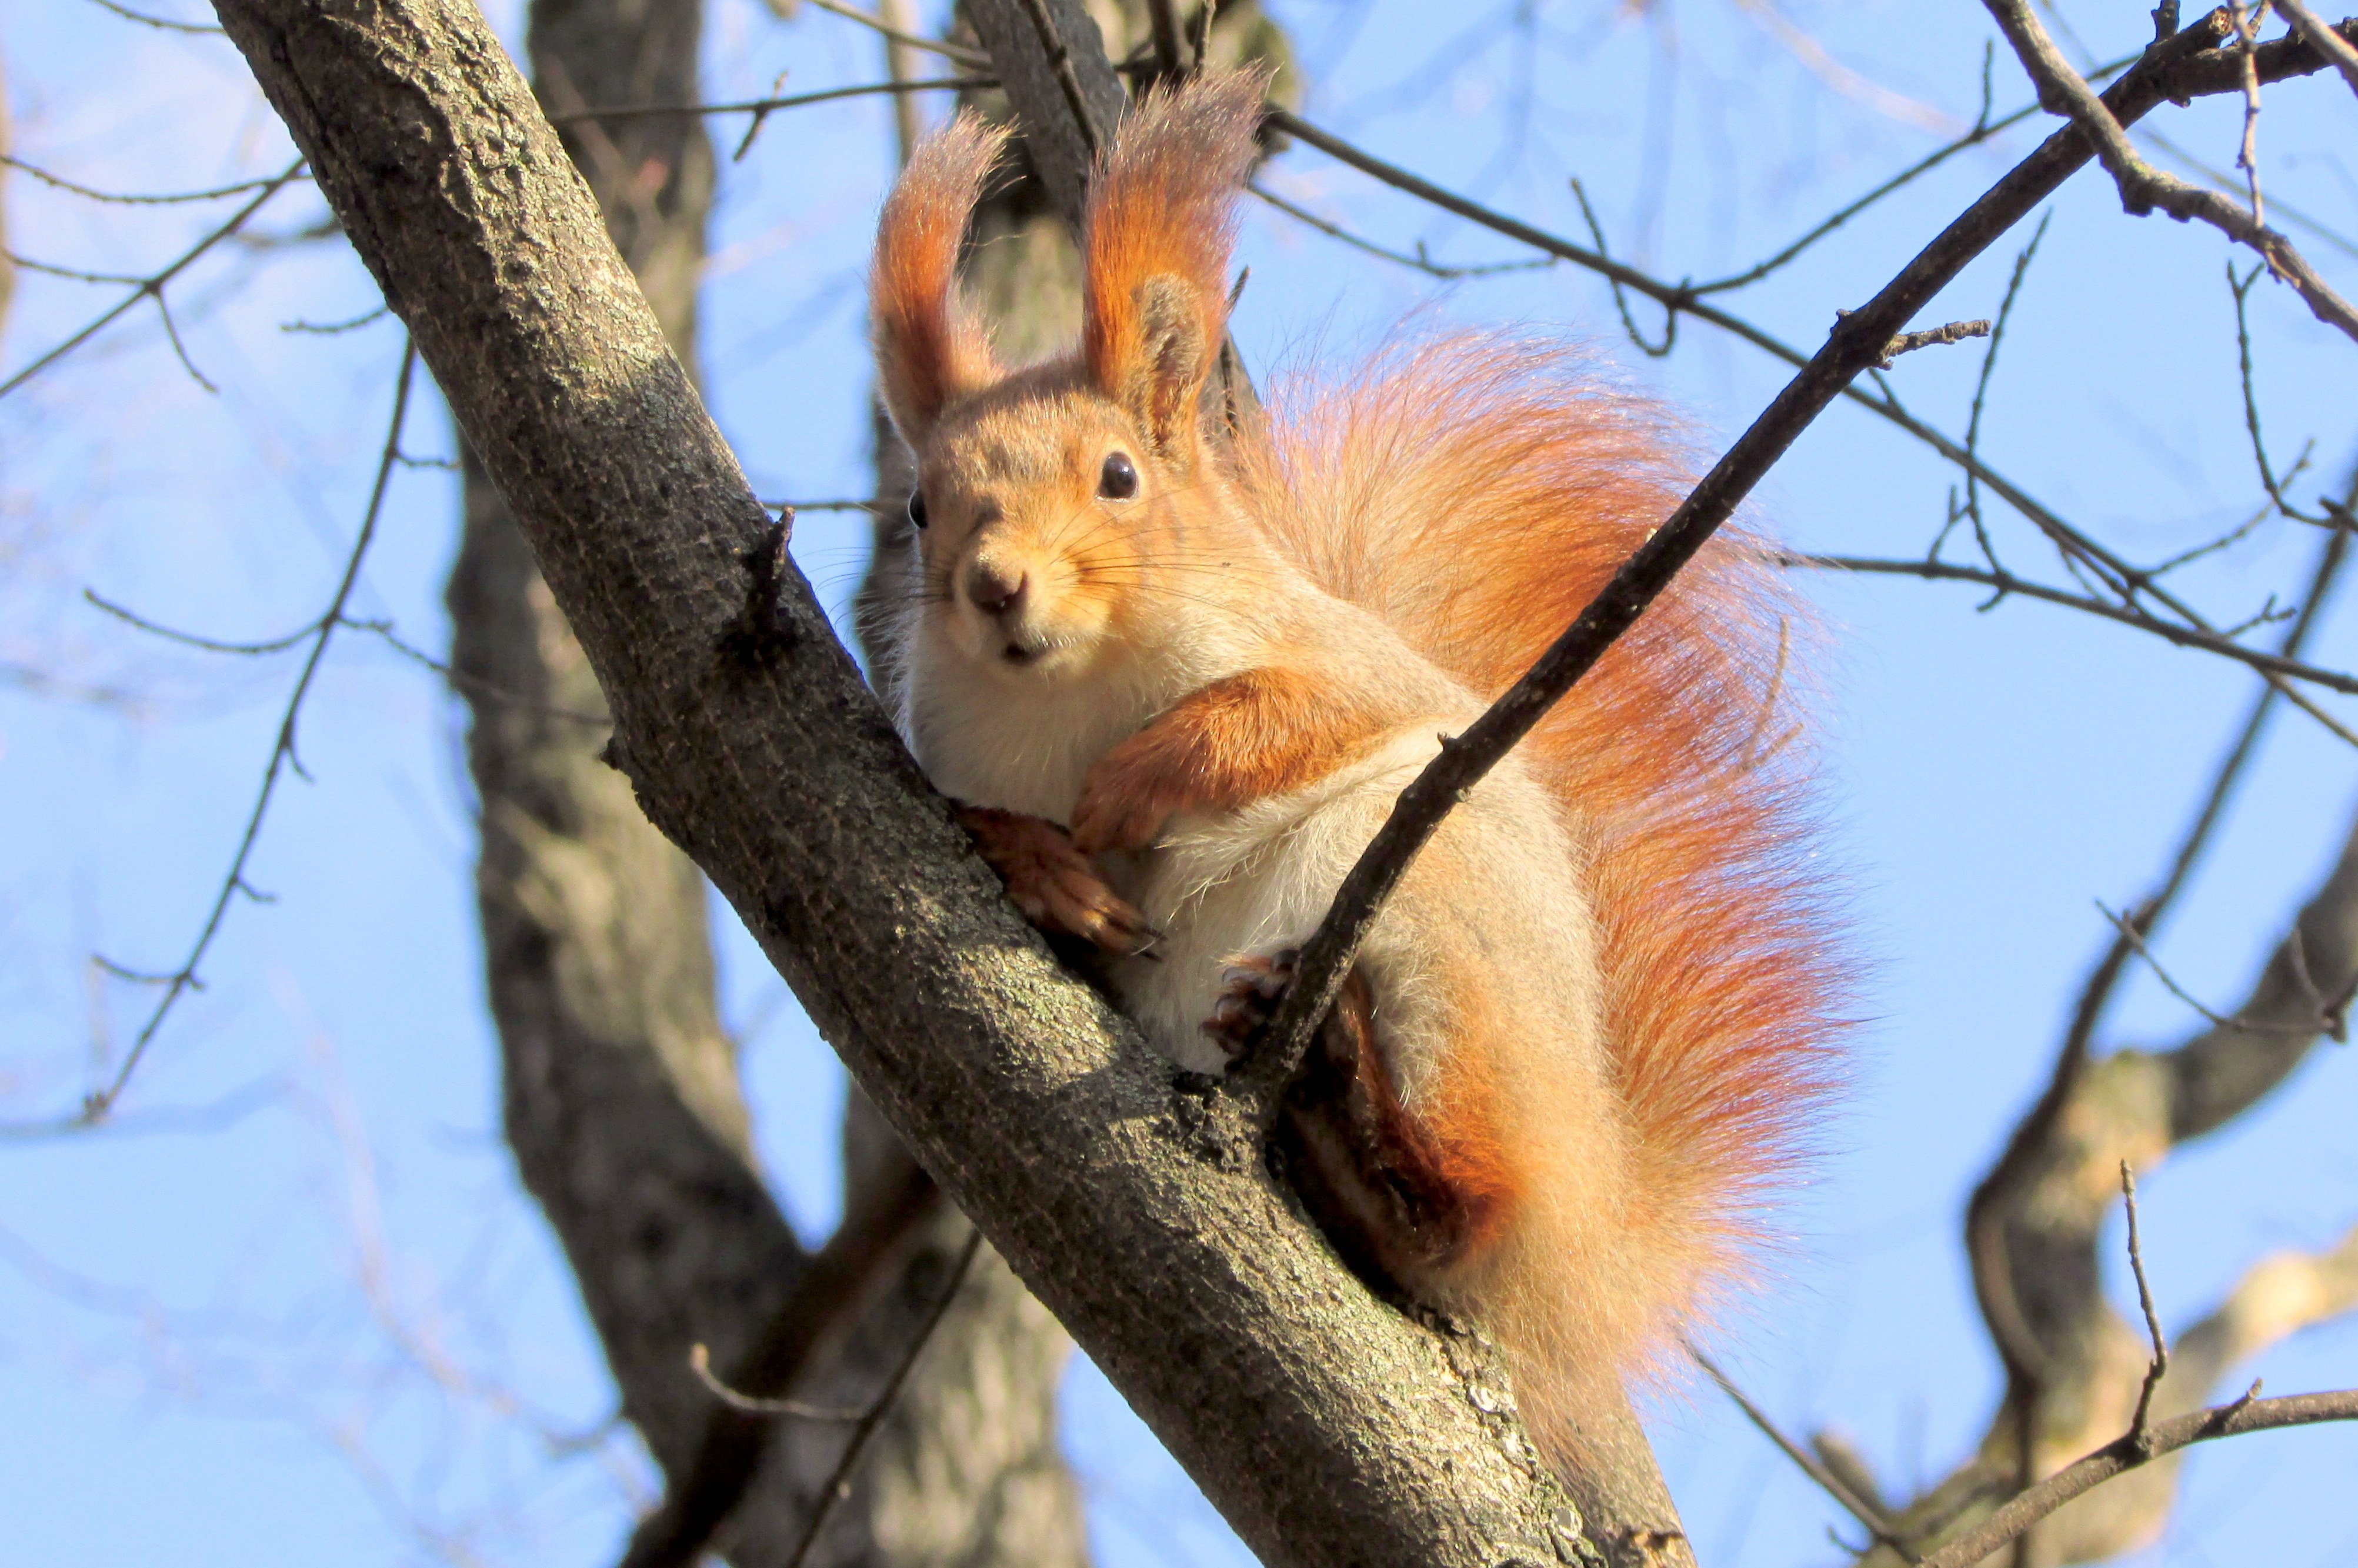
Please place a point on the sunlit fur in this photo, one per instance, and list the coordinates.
(930, 350)
(1604, 991)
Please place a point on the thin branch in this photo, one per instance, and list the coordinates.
(154, 285)
(700, 1361)
(2139, 1433)
(282, 754)
(128, 15)
(1932, 337)
(958, 52)
(2247, 151)
(2323, 38)
(1877, 1523)
(1983, 130)
(329, 329)
(1981, 394)
(58, 182)
(1162, 22)
(1060, 61)
(2008, 582)
(1422, 262)
(758, 107)
(2135, 939)
(2247, 1414)
(2143, 187)
(735, 1441)
(1858, 340)
(838, 1485)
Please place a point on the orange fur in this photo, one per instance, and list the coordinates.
(932, 353)
(1162, 220)
(1477, 491)
(1265, 733)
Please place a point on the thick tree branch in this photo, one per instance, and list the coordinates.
(1325, 1426)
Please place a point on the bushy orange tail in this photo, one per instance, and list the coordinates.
(1477, 491)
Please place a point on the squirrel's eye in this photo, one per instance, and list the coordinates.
(1117, 480)
(917, 508)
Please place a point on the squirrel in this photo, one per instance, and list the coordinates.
(1177, 676)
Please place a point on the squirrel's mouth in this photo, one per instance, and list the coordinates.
(1016, 654)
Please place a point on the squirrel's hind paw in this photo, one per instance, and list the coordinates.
(1250, 989)
(1054, 884)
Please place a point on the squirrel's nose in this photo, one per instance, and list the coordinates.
(994, 589)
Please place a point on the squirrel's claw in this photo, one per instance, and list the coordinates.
(1053, 882)
(1250, 989)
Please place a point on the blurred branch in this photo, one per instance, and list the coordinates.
(2322, 36)
(153, 285)
(903, 37)
(183, 980)
(761, 106)
(58, 182)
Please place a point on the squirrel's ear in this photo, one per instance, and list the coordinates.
(1162, 222)
(928, 353)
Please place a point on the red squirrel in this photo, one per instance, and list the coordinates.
(1593, 1021)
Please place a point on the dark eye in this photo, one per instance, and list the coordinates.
(1117, 480)
(917, 508)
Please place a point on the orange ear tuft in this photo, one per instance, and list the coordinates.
(928, 351)
(1162, 222)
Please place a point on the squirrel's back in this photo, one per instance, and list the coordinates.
(1477, 490)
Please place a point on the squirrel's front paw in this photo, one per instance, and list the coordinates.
(1251, 988)
(1119, 809)
(1054, 883)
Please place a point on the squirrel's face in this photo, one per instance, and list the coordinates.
(1046, 526)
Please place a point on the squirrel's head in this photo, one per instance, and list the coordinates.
(1055, 505)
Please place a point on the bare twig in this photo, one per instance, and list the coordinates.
(154, 285)
(1162, 21)
(58, 182)
(2139, 1433)
(1060, 61)
(2183, 636)
(958, 52)
(2247, 1414)
(2143, 187)
(2247, 151)
(736, 1440)
(2127, 928)
(838, 1485)
(2322, 38)
(1973, 508)
(1908, 342)
(700, 1361)
(758, 107)
(1877, 1523)
(1422, 262)
(165, 24)
(282, 755)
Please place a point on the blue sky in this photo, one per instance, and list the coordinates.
(296, 1305)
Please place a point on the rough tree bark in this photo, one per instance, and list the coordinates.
(622, 1102)
(1326, 1427)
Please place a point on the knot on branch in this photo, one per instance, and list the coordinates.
(761, 635)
